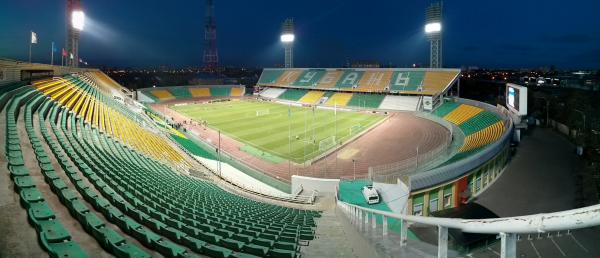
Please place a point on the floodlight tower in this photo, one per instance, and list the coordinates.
(211, 55)
(75, 24)
(287, 38)
(433, 29)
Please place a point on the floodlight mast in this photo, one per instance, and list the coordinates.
(287, 38)
(433, 30)
(75, 22)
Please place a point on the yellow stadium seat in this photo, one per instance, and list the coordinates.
(339, 99)
(200, 92)
(311, 97)
(462, 113)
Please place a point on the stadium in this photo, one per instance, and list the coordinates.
(92, 168)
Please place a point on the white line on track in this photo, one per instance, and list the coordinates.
(579, 244)
(535, 249)
(558, 247)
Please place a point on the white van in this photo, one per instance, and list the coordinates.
(370, 194)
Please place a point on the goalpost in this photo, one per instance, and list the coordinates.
(262, 112)
(327, 143)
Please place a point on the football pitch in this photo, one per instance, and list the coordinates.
(265, 126)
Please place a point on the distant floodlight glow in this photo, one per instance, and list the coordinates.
(287, 38)
(78, 19)
(433, 27)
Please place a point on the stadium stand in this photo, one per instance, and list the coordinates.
(339, 99)
(269, 76)
(220, 92)
(292, 94)
(288, 77)
(162, 95)
(180, 92)
(311, 97)
(349, 79)
(406, 81)
(330, 79)
(480, 127)
(200, 92)
(147, 200)
(374, 81)
(237, 92)
(435, 82)
(445, 108)
(462, 113)
(406, 103)
(309, 78)
(416, 81)
(366, 100)
(272, 93)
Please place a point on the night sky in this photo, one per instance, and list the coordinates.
(137, 33)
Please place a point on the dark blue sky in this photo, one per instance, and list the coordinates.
(494, 34)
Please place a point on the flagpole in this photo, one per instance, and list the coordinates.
(52, 54)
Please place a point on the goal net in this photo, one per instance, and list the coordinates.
(262, 112)
(327, 143)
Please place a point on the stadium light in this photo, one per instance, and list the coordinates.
(78, 19)
(433, 27)
(287, 38)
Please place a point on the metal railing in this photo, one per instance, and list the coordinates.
(506, 228)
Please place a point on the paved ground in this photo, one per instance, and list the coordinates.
(539, 178)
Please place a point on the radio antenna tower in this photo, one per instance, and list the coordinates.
(211, 55)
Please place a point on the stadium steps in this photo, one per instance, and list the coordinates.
(180, 92)
(292, 94)
(220, 92)
(339, 99)
(366, 100)
(272, 93)
(62, 184)
(402, 103)
(53, 236)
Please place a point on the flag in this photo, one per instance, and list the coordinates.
(71, 55)
(33, 38)
(64, 52)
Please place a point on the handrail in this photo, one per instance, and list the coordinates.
(506, 228)
(537, 223)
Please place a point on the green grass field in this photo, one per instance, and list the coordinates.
(268, 131)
